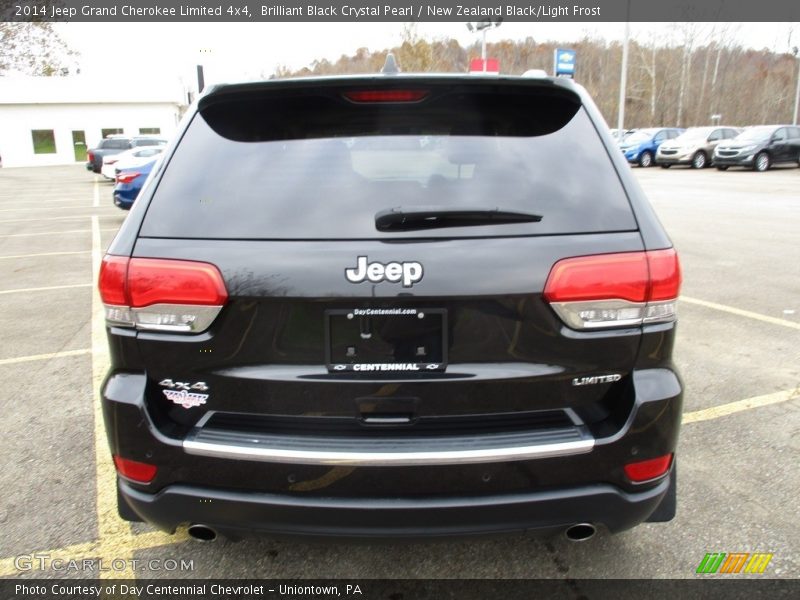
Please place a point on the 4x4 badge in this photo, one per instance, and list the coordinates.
(407, 272)
(186, 399)
(179, 392)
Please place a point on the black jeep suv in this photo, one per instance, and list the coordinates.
(392, 305)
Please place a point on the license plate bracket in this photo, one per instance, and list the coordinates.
(386, 340)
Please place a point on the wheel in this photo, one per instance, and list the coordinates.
(669, 504)
(722, 167)
(699, 160)
(646, 159)
(665, 166)
(761, 162)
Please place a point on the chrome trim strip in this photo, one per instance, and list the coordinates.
(388, 459)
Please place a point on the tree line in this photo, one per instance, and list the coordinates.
(679, 84)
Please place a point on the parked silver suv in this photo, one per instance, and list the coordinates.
(693, 147)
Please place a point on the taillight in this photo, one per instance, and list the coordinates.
(367, 96)
(154, 294)
(615, 290)
(127, 176)
(90, 156)
(134, 470)
(647, 470)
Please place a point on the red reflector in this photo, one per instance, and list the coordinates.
(620, 276)
(665, 274)
(127, 177)
(113, 270)
(646, 470)
(134, 470)
(161, 281)
(385, 95)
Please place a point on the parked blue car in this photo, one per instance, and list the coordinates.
(640, 146)
(129, 183)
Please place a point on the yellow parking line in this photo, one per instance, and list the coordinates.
(715, 412)
(742, 313)
(125, 544)
(44, 254)
(109, 525)
(45, 289)
(73, 552)
(107, 550)
(50, 355)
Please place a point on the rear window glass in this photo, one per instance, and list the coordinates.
(323, 167)
(115, 144)
(148, 142)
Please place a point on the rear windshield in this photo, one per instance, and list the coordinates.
(321, 167)
(116, 144)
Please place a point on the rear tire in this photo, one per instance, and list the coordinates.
(669, 504)
(761, 162)
(665, 166)
(646, 159)
(699, 160)
(722, 167)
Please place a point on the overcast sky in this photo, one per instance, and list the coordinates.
(236, 51)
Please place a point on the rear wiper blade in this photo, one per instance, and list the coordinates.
(408, 218)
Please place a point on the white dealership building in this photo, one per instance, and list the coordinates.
(54, 120)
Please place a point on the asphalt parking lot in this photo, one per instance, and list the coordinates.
(738, 350)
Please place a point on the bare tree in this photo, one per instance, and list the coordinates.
(669, 83)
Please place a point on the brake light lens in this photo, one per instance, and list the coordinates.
(152, 294)
(134, 470)
(369, 96)
(127, 176)
(647, 470)
(624, 289)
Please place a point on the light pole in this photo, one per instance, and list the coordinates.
(796, 50)
(482, 26)
(201, 80)
(624, 76)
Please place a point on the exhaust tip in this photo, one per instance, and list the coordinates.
(202, 533)
(580, 532)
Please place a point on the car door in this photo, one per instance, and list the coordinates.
(715, 138)
(659, 139)
(779, 147)
(794, 143)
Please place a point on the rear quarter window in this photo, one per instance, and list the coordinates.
(316, 166)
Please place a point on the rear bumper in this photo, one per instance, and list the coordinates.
(237, 495)
(236, 514)
(121, 202)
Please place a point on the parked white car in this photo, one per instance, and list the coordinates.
(129, 159)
